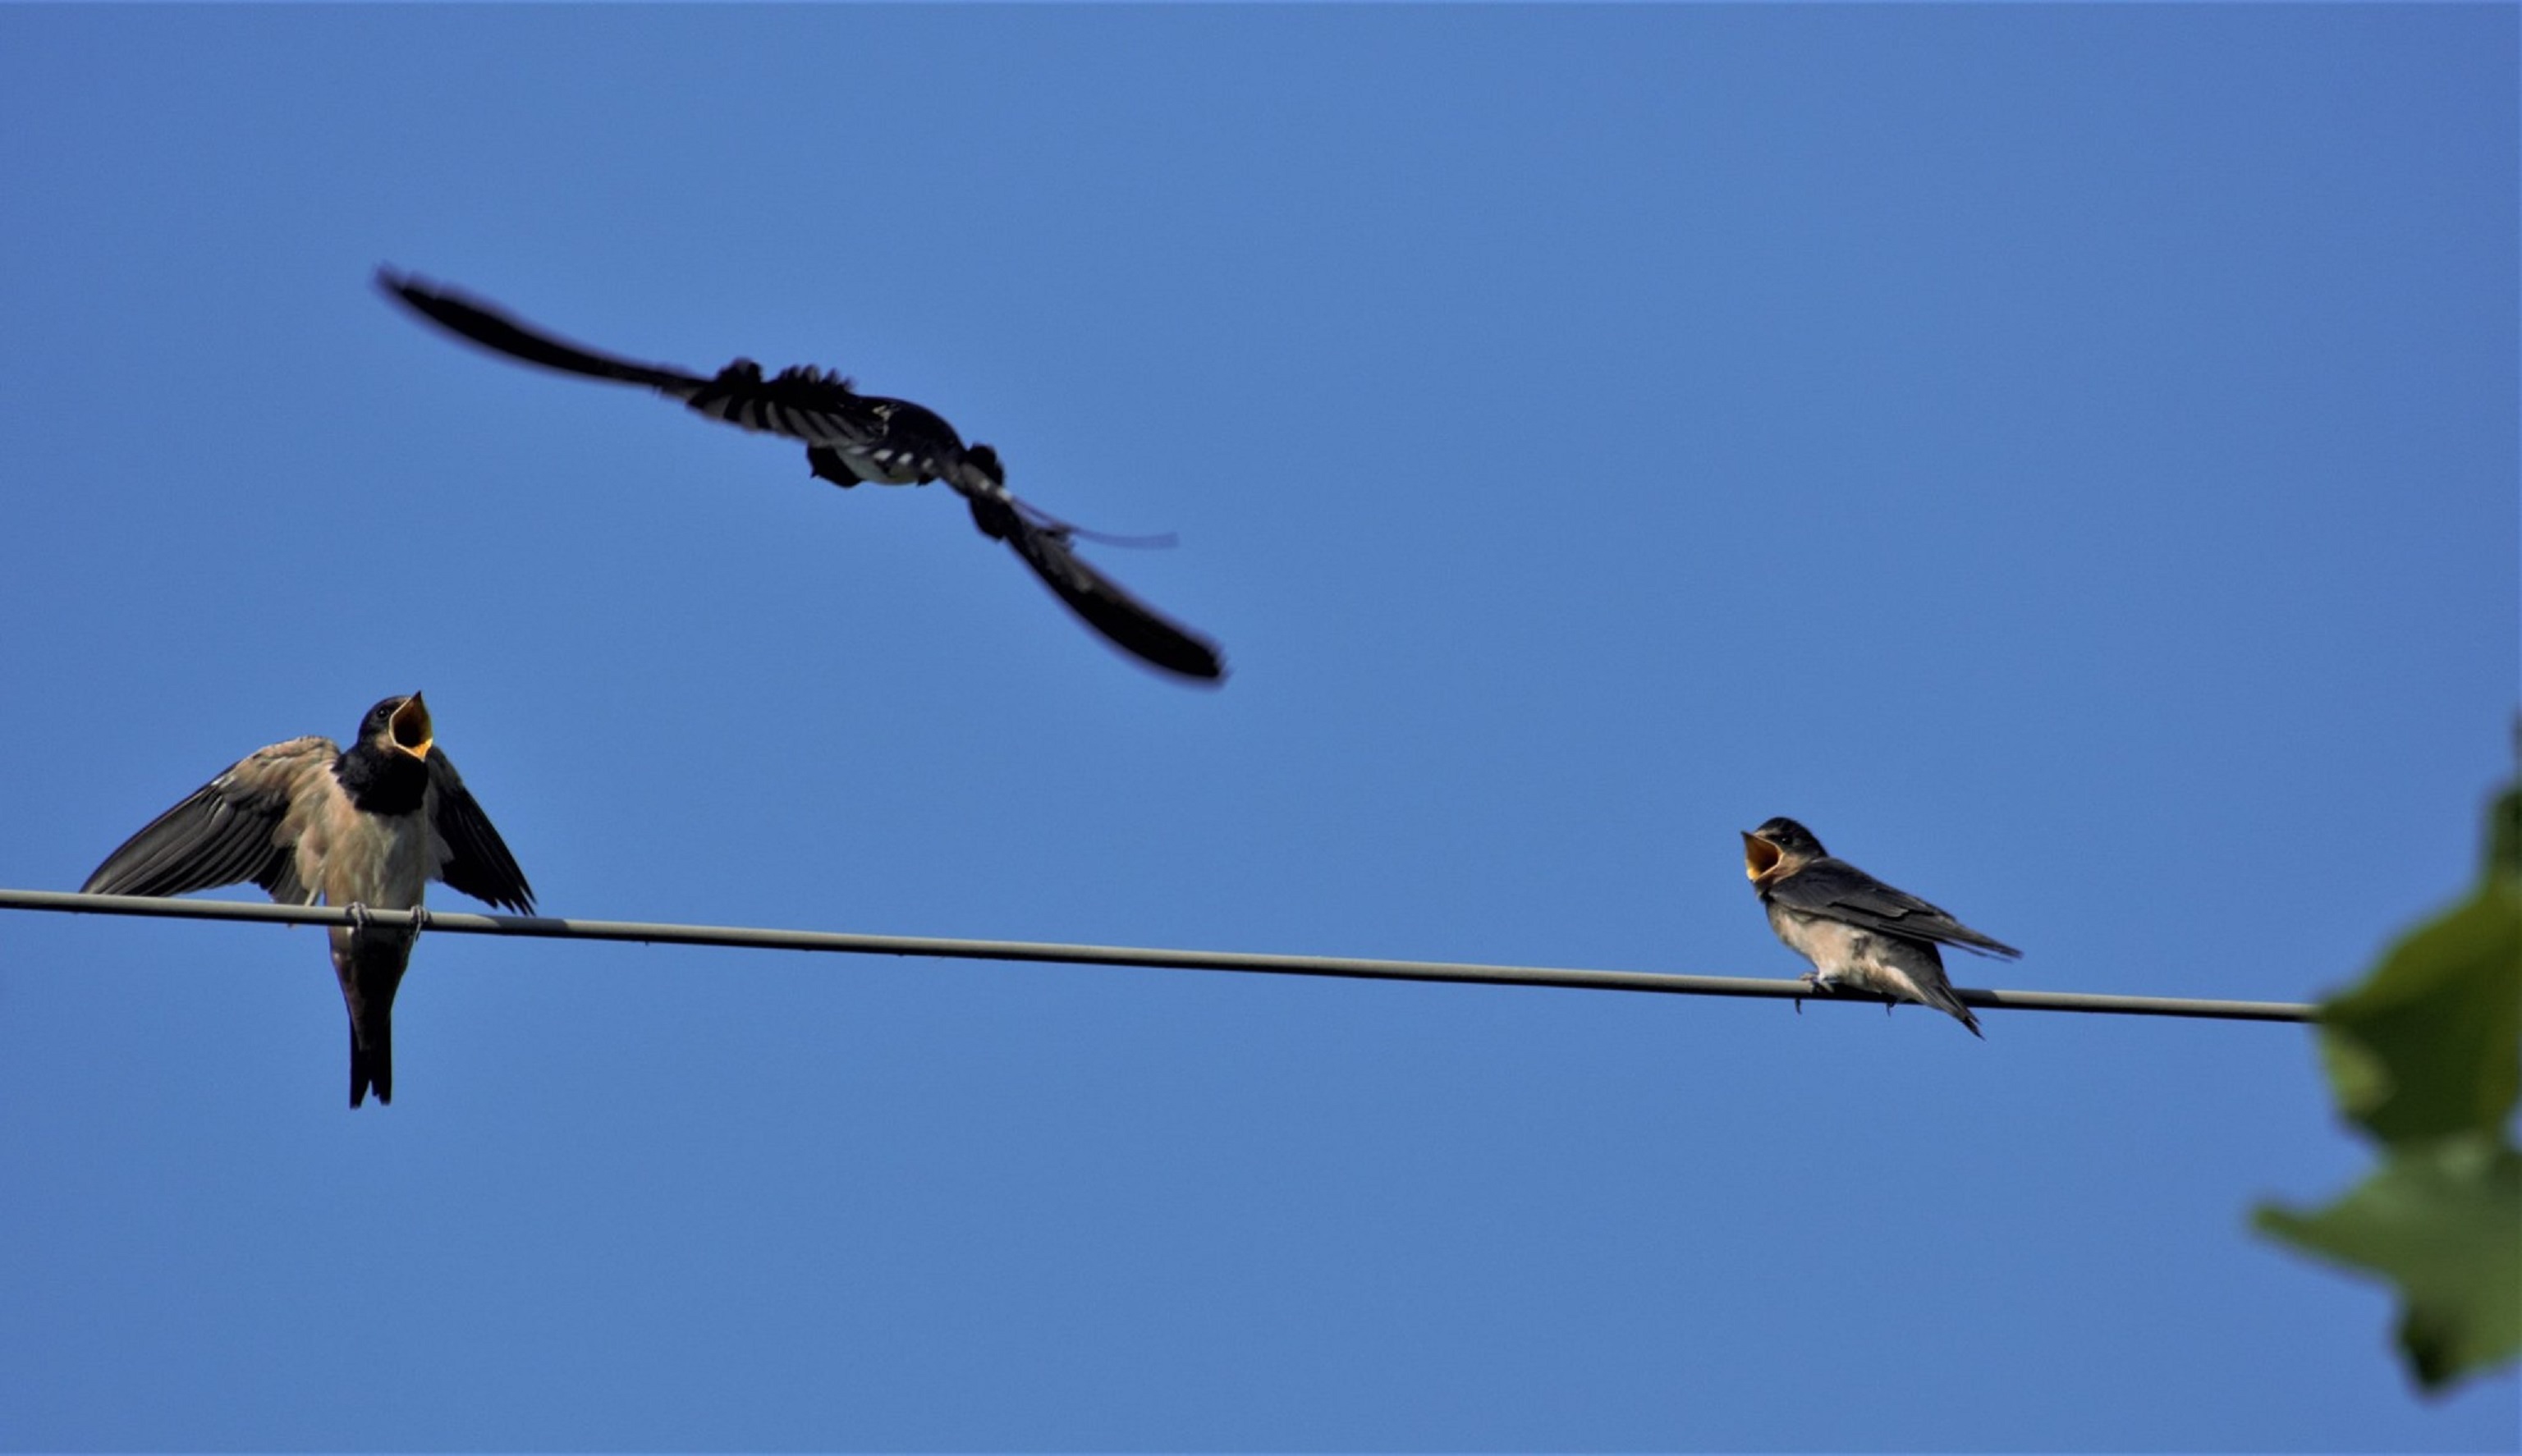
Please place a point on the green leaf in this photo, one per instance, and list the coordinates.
(2443, 1222)
(2430, 1045)
(2505, 837)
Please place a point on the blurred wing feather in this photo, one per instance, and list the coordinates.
(823, 410)
(1127, 623)
(492, 329)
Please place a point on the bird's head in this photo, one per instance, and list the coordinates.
(1781, 846)
(401, 724)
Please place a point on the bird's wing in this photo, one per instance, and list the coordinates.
(235, 828)
(823, 410)
(489, 327)
(466, 851)
(1842, 891)
(1129, 623)
(812, 405)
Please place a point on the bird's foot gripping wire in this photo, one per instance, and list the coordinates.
(362, 917)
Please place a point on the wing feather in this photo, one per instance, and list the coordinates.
(232, 830)
(491, 328)
(901, 441)
(1100, 602)
(1842, 891)
(470, 856)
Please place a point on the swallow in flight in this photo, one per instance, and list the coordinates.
(1857, 932)
(362, 828)
(850, 438)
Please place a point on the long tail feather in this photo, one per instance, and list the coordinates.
(372, 1061)
(370, 963)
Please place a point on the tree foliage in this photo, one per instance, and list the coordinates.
(2425, 1056)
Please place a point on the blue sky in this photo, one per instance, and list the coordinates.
(2066, 456)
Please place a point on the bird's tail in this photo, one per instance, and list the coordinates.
(1156, 541)
(1939, 995)
(370, 963)
(372, 1059)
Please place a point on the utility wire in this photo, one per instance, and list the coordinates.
(753, 939)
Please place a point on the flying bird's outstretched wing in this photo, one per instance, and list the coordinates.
(1129, 623)
(495, 330)
(234, 828)
(1840, 891)
(812, 405)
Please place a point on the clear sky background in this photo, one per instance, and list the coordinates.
(2066, 456)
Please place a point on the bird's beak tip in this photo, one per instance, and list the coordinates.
(409, 729)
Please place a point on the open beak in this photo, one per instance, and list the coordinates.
(410, 727)
(1759, 857)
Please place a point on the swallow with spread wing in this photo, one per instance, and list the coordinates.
(1857, 932)
(850, 438)
(364, 828)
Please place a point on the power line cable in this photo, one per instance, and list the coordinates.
(746, 937)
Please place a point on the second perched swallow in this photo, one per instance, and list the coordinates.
(364, 827)
(850, 438)
(1856, 931)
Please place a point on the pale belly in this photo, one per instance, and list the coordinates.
(380, 863)
(1843, 955)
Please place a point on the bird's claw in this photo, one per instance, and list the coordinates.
(363, 917)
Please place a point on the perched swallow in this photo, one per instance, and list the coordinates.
(1856, 931)
(364, 828)
(850, 438)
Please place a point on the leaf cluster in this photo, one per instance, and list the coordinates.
(2425, 1056)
